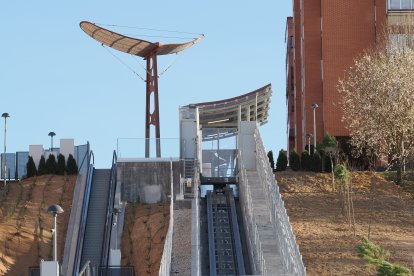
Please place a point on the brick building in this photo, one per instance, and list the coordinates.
(323, 37)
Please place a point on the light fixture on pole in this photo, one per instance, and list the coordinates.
(5, 115)
(54, 210)
(309, 136)
(314, 106)
(51, 134)
(116, 212)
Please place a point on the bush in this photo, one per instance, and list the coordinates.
(372, 254)
(387, 269)
(281, 163)
(41, 169)
(316, 161)
(61, 165)
(328, 163)
(305, 161)
(71, 167)
(271, 160)
(294, 161)
(30, 168)
(51, 165)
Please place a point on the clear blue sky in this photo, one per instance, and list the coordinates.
(56, 78)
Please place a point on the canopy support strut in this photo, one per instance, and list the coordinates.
(152, 118)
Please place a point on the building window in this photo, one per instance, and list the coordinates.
(400, 4)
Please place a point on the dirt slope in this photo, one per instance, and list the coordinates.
(25, 225)
(145, 229)
(325, 239)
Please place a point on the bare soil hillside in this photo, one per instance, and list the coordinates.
(145, 230)
(25, 236)
(325, 239)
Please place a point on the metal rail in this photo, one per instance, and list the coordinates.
(109, 213)
(225, 251)
(84, 213)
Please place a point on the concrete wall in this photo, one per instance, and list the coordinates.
(36, 151)
(148, 180)
(67, 146)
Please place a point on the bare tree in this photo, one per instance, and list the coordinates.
(378, 98)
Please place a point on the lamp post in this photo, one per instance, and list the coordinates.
(5, 115)
(54, 210)
(116, 212)
(309, 136)
(51, 134)
(314, 106)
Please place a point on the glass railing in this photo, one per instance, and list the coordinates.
(135, 147)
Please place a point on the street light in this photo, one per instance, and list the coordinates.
(116, 211)
(309, 136)
(54, 210)
(51, 134)
(314, 106)
(5, 115)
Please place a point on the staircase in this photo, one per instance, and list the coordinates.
(267, 239)
(95, 222)
(188, 168)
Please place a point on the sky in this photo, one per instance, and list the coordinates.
(54, 77)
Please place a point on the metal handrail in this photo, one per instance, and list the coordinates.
(85, 205)
(86, 269)
(109, 210)
(289, 249)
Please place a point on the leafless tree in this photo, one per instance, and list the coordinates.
(378, 98)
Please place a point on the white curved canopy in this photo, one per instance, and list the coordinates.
(133, 46)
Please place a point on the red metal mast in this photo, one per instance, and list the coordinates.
(152, 118)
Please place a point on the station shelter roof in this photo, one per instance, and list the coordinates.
(224, 114)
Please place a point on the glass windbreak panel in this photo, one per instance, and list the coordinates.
(135, 147)
(21, 162)
(80, 156)
(219, 154)
(10, 166)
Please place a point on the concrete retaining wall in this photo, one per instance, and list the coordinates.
(148, 180)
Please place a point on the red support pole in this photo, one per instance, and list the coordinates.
(152, 117)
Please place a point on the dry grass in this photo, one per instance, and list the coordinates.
(25, 238)
(143, 238)
(326, 242)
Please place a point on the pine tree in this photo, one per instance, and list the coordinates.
(281, 163)
(316, 162)
(51, 165)
(294, 161)
(61, 165)
(30, 168)
(305, 161)
(71, 166)
(271, 160)
(41, 169)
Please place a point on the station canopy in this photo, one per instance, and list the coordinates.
(133, 46)
(224, 113)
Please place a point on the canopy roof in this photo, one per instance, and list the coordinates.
(133, 46)
(224, 113)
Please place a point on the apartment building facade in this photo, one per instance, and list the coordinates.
(323, 38)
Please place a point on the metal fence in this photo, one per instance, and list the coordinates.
(165, 265)
(289, 249)
(116, 271)
(252, 234)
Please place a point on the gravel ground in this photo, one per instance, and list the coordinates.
(181, 248)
